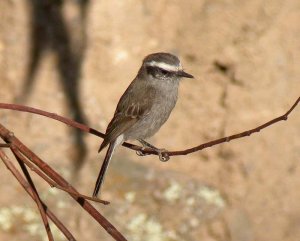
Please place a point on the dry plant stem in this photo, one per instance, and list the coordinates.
(4, 145)
(54, 116)
(148, 150)
(9, 137)
(27, 188)
(36, 197)
(50, 181)
(283, 117)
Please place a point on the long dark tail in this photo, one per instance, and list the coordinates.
(104, 167)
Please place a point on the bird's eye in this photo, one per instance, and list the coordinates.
(157, 72)
(164, 72)
(151, 70)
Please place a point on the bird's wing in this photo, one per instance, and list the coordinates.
(133, 105)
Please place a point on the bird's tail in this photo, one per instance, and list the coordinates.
(104, 167)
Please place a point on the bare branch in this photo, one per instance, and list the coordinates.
(4, 145)
(148, 150)
(9, 137)
(10, 166)
(283, 117)
(54, 116)
(25, 156)
(50, 181)
(36, 197)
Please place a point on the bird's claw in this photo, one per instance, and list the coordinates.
(163, 155)
(141, 152)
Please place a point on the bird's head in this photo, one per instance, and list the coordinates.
(163, 66)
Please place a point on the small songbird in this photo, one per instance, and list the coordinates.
(145, 105)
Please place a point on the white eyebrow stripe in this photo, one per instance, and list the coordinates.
(164, 66)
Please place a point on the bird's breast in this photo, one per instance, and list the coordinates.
(162, 106)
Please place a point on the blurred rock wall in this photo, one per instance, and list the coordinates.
(245, 56)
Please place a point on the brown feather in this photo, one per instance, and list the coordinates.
(125, 118)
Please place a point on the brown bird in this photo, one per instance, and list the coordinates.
(144, 107)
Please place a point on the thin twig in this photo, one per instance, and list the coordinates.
(9, 137)
(10, 166)
(54, 116)
(148, 150)
(36, 197)
(283, 117)
(50, 181)
(4, 145)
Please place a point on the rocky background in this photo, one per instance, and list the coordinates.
(76, 58)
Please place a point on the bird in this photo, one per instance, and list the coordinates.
(144, 107)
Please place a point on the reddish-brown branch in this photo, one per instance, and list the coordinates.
(9, 137)
(283, 117)
(4, 145)
(50, 181)
(54, 116)
(10, 166)
(54, 179)
(36, 197)
(147, 150)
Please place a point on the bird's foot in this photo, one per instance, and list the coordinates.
(163, 155)
(141, 152)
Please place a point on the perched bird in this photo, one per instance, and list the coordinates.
(145, 105)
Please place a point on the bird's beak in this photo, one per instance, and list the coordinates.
(181, 73)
